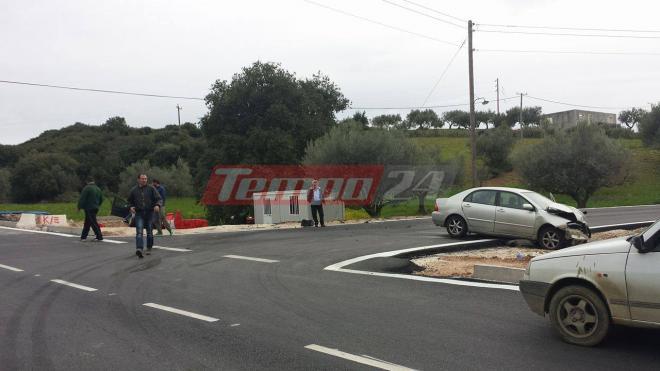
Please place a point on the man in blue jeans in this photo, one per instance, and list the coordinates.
(144, 201)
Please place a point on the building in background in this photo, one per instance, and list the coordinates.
(567, 119)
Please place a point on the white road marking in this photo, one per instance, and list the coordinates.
(339, 267)
(113, 241)
(10, 268)
(621, 224)
(56, 234)
(617, 207)
(37, 275)
(365, 360)
(71, 284)
(40, 232)
(181, 312)
(250, 258)
(235, 324)
(172, 248)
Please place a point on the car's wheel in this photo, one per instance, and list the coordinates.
(551, 238)
(579, 316)
(456, 226)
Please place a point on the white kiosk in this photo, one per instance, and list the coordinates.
(290, 206)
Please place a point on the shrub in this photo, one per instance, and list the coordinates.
(576, 162)
(176, 179)
(5, 187)
(494, 147)
(649, 128)
(43, 177)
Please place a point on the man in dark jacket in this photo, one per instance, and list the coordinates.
(90, 201)
(143, 201)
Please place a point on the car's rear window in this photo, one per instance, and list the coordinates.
(485, 197)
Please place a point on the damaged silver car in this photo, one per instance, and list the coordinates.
(512, 213)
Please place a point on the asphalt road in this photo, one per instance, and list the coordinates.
(264, 314)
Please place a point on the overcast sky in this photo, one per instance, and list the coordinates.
(181, 47)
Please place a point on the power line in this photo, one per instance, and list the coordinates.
(570, 34)
(443, 73)
(97, 90)
(436, 11)
(564, 52)
(420, 107)
(423, 14)
(571, 104)
(380, 23)
(569, 28)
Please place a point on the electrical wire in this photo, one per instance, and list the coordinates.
(98, 90)
(568, 28)
(380, 23)
(424, 14)
(571, 104)
(569, 34)
(424, 107)
(444, 72)
(435, 11)
(564, 52)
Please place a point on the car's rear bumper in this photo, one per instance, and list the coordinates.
(438, 218)
(534, 293)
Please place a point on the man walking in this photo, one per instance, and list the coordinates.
(159, 217)
(90, 201)
(315, 199)
(143, 201)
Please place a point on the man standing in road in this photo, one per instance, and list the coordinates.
(159, 217)
(315, 199)
(90, 201)
(144, 201)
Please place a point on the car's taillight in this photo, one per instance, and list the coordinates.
(436, 208)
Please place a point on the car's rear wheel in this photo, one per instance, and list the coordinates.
(579, 315)
(456, 226)
(551, 238)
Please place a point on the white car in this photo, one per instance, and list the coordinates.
(584, 289)
(513, 213)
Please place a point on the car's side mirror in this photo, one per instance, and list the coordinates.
(528, 207)
(584, 212)
(638, 242)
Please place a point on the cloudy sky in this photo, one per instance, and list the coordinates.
(180, 47)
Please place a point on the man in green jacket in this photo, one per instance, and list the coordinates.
(90, 201)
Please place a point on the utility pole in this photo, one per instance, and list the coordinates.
(497, 85)
(473, 129)
(178, 113)
(520, 121)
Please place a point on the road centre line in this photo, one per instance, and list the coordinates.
(71, 284)
(181, 312)
(10, 268)
(172, 248)
(250, 258)
(365, 360)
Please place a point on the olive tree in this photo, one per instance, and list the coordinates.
(350, 144)
(576, 163)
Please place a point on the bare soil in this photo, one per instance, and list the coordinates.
(461, 264)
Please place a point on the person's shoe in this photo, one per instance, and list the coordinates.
(171, 232)
(98, 240)
(323, 225)
(139, 254)
(83, 240)
(148, 250)
(316, 225)
(159, 233)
